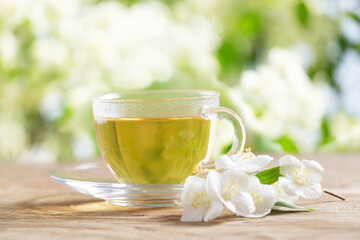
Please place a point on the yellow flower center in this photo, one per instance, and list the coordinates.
(278, 188)
(200, 200)
(230, 188)
(246, 155)
(302, 175)
(256, 197)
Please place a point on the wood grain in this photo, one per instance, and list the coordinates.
(32, 206)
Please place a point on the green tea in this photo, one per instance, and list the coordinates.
(154, 151)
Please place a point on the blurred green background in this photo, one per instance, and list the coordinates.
(290, 69)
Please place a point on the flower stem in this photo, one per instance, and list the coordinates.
(334, 195)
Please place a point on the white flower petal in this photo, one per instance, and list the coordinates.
(313, 165)
(233, 182)
(236, 173)
(224, 162)
(192, 184)
(261, 161)
(200, 198)
(243, 204)
(251, 165)
(191, 214)
(313, 190)
(281, 194)
(288, 186)
(288, 164)
(245, 161)
(289, 160)
(239, 162)
(213, 185)
(250, 168)
(236, 158)
(266, 157)
(254, 183)
(213, 211)
(268, 198)
(229, 204)
(316, 168)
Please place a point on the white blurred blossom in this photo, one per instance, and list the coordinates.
(83, 48)
(346, 132)
(52, 105)
(15, 11)
(39, 153)
(347, 76)
(305, 53)
(132, 46)
(351, 30)
(335, 7)
(278, 99)
(83, 146)
(138, 45)
(50, 52)
(8, 49)
(90, 47)
(13, 139)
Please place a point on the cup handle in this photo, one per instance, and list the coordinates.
(210, 113)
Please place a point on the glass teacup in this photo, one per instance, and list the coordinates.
(160, 137)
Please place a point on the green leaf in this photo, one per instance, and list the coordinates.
(302, 13)
(287, 145)
(325, 132)
(353, 16)
(292, 206)
(250, 24)
(269, 176)
(230, 54)
(358, 48)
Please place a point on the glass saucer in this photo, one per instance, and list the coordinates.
(95, 179)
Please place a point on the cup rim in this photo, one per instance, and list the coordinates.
(116, 97)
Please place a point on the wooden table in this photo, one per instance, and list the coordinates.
(32, 206)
